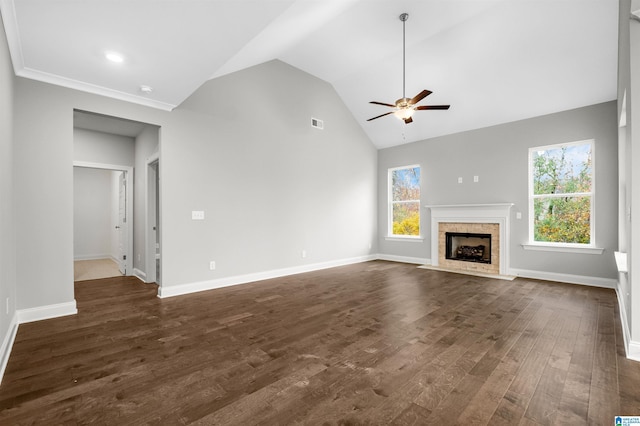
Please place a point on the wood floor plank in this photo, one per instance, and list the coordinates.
(371, 343)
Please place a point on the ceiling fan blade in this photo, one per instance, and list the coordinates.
(420, 96)
(382, 103)
(432, 107)
(408, 120)
(381, 115)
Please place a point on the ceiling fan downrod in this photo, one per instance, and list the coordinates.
(403, 17)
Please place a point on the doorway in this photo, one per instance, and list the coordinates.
(103, 233)
(131, 148)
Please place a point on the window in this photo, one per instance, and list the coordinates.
(561, 186)
(404, 201)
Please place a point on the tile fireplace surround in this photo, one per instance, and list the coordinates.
(488, 218)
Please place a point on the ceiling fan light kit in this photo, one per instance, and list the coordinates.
(405, 107)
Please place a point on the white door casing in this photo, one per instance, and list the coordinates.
(122, 225)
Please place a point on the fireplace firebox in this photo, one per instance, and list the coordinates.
(468, 247)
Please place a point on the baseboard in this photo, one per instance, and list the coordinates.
(565, 278)
(141, 275)
(623, 320)
(46, 312)
(177, 290)
(7, 345)
(404, 259)
(92, 257)
(633, 352)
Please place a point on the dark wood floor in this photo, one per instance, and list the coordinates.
(372, 343)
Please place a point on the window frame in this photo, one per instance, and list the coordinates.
(560, 246)
(390, 204)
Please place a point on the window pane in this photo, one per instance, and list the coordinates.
(406, 184)
(406, 218)
(561, 170)
(562, 219)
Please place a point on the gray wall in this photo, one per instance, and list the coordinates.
(499, 156)
(269, 183)
(92, 213)
(105, 148)
(7, 219)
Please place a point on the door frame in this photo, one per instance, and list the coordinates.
(153, 215)
(128, 170)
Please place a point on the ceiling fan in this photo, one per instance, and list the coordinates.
(405, 107)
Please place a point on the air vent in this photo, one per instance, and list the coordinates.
(318, 124)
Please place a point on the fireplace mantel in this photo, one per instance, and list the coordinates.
(464, 210)
(473, 213)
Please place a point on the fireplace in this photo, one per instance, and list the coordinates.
(468, 247)
(479, 221)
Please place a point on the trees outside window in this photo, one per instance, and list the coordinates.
(561, 193)
(404, 201)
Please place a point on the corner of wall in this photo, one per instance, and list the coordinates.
(7, 345)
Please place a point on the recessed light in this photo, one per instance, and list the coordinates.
(114, 57)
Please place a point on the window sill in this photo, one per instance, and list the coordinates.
(399, 238)
(562, 248)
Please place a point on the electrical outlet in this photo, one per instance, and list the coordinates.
(212, 265)
(303, 254)
(460, 179)
(197, 215)
(476, 179)
(138, 257)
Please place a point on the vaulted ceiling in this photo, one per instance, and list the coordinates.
(494, 61)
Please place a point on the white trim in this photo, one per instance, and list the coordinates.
(46, 312)
(10, 22)
(633, 351)
(7, 344)
(187, 288)
(474, 213)
(129, 196)
(565, 278)
(404, 239)
(150, 240)
(562, 248)
(626, 334)
(83, 86)
(140, 275)
(92, 256)
(403, 259)
(621, 261)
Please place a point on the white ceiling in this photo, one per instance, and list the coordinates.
(494, 61)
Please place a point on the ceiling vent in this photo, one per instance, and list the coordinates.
(318, 124)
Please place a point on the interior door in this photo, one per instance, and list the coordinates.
(121, 227)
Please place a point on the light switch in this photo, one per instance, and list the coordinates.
(460, 179)
(476, 178)
(518, 215)
(197, 215)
